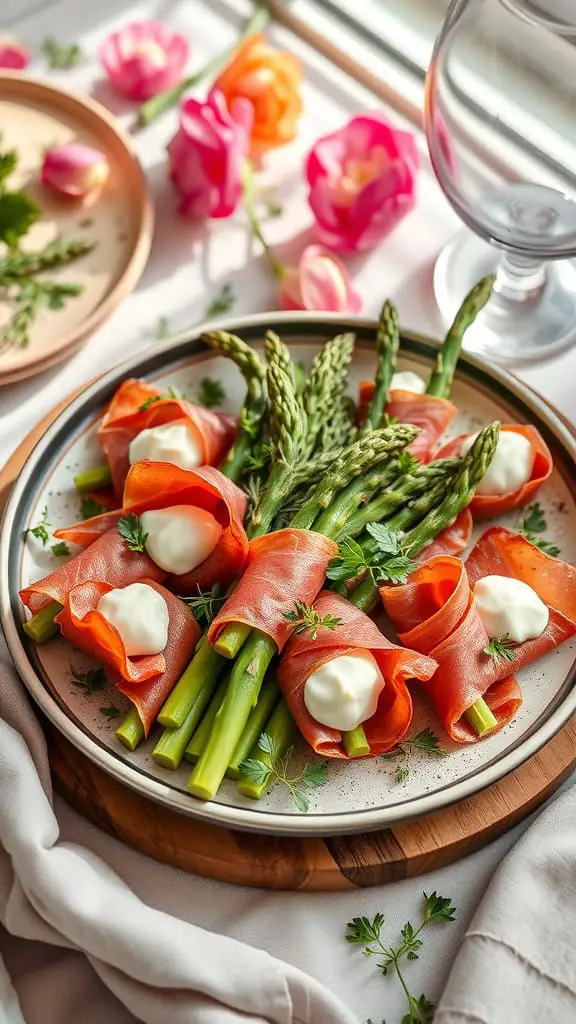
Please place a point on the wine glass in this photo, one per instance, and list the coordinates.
(500, 118)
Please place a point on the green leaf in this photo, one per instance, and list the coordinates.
(254, 770)
(60, 549)
(438, 908)
(396, 569)
(268, 744)
(363, 930)
(301, 801)
(533, 520)
(62, 56)
(427, 740)
(91, 681)
(204, 605)
(349, 562)
(8, 163)
(315, 774)
(90, 508)
(547, 546)
(388, 541)
(41, 531)
(17, 215)
(222, 303)
(111, 712)
(500, 648)
(211, 394)
(130, 529)
(162, 396)
(307, 619)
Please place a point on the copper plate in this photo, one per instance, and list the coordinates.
(33, 116)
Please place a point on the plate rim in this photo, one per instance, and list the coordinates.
(244, 818)
(140, 252)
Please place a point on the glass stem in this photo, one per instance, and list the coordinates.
(519, 278)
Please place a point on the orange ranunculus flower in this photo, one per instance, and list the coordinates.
(271, 80)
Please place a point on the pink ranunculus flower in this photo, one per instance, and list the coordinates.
(362, 182)
(144, 58)
(12, 54)
(207, 154)
(74, 169)
(320, 281)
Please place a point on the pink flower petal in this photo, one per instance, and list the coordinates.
(144, 58)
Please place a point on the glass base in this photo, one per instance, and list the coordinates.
(520, 326)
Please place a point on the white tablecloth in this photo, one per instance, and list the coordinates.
(185, 269)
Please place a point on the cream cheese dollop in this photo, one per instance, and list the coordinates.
(177, 443)
(180, 537)
(140, 615)
(344, 692)
(406, 380)
(511, 466)
(506, 605)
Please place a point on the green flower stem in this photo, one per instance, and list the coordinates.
(130, 732)
(41, 627)
(267, 700)
(93, 480)
(156, 106)
(276, 266)
(281, 729)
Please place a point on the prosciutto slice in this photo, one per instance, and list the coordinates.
(145, 680)
(125, 418)
(283, 567)
(434, 612)
(489, 506)
(107, 559)
(153, 485)
(431, 414)
(303, 656)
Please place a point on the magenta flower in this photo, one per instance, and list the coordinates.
(362, 182)
(144, 58)
(12, 54)
(320, 281)
(74, 169)
(207, 154)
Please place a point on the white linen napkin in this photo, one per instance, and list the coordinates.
(164, 970)
(517, 962)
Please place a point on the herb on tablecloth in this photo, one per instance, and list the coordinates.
(62, 56)
(223, 302)
(366, 932)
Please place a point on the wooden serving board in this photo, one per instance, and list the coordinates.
(273, 862)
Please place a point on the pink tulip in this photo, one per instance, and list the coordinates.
(207, 153)
(74, 170)
(12, 54)
(320, 281)
(362, 182)
(144, 58)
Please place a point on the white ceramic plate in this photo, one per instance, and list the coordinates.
(359, 796)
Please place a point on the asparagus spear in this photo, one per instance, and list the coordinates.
(93, 479)
(324, 389)
(387, 343)
(255, 656)
(281, 729)
(200, 737)
(440, 383)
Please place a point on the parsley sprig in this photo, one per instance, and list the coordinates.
(532, 524)
(91, 681)
(425, 741)
(164, 396)
(366, 932)
(131, 530)
(500, 648)
(110, 712)
(307, 620)
(205, 604)
(60, 549)
(313, 775)
(89, 508)
(222, 303)
(210, 393)
(385, 559)
(41, 531)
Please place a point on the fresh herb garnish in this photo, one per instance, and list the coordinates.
(17, 215)
(307, 620)
(258, 458)
(313, 775)
(162, 330)
(205, 604)
(366, 932)
(385, 561)
(111, 712)
(42, 529)
(426, 741)
(91, 681)
(164, 396)
(8, 163)
(223, 302)
(27, 301)
(62, 56)
(211, 394)
(89, 508)
(60, 549)
(130, 529)
(501, 648)
(532, 523)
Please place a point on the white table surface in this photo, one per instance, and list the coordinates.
(186, 269)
